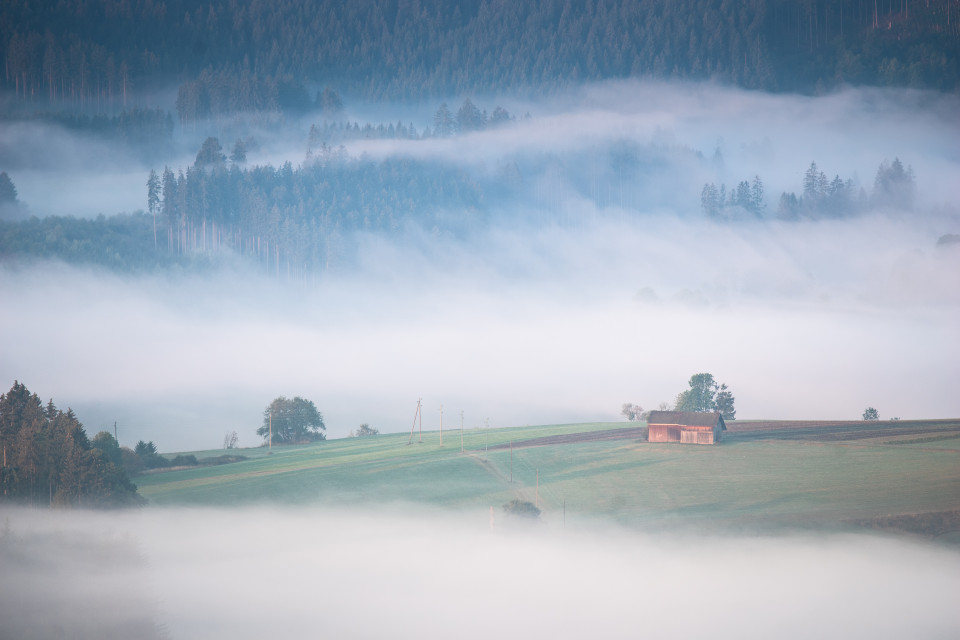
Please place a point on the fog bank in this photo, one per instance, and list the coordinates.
(518, 327)
(316, 573)
(559, 306)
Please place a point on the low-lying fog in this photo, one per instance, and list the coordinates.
(531, 328)
(526, 321)
(263, 573)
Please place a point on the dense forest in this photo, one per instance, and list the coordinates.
(104, 70)
(227, 56)
(296, 222)
(47, 458)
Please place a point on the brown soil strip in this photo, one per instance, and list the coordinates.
(629, 433)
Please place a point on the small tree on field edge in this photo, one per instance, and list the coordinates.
(871, 414)
(364, 430)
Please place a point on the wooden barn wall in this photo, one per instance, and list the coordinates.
(669, 433)
(662, 433)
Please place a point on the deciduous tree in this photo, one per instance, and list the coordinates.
(292, 421)
(704, 395)
(632, 412)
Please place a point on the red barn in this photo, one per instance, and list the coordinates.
(685, 427)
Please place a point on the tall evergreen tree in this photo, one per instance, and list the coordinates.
(47, 458)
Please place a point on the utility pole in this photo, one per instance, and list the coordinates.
(461, 432)
(511, 462)
(270, 444)
(115, 436)
(441, 425)
(538, 489)
(416, 414)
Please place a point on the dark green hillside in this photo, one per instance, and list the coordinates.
(275, 55)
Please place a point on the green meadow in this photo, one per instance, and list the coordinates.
(741, 484)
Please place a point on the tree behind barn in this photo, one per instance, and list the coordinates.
(706, 395)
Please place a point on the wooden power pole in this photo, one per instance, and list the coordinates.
(416, 414)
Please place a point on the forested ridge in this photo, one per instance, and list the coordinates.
(296, 222)
(95, 67)
(228, 56)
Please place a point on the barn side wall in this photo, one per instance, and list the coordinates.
(683, 435)
(663, 433)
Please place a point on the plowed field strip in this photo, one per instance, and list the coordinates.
(818, 431)
(836, 432)
(569, 438)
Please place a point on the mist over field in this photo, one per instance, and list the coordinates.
(517, 217)
(584, 291)
(247, 573)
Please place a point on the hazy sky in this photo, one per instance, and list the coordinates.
(524, 323)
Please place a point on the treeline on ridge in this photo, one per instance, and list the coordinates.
(230, 57)
(299, 221)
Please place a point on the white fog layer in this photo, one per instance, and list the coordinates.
(563, 325)
(557, 307)
(259, 573)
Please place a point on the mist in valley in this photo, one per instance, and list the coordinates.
(536, 250)
(404, 572)
(595, 279)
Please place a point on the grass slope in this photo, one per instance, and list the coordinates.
(851, 473)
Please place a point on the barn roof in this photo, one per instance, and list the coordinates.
(687, 419)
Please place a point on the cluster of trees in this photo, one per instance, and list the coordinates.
(295, 421)
(704, 394)
(893, 188)
(294, 219)
(746, 196)
(633, 412)
(145, 456)
(233, 57)
(469, 117)
(364, 431)
(120, 242)
(48, 459)
(822, 197)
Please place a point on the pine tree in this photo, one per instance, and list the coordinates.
(8, 192)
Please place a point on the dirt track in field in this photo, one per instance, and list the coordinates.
(805, 430)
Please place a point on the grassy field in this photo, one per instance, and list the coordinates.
(763, 475)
